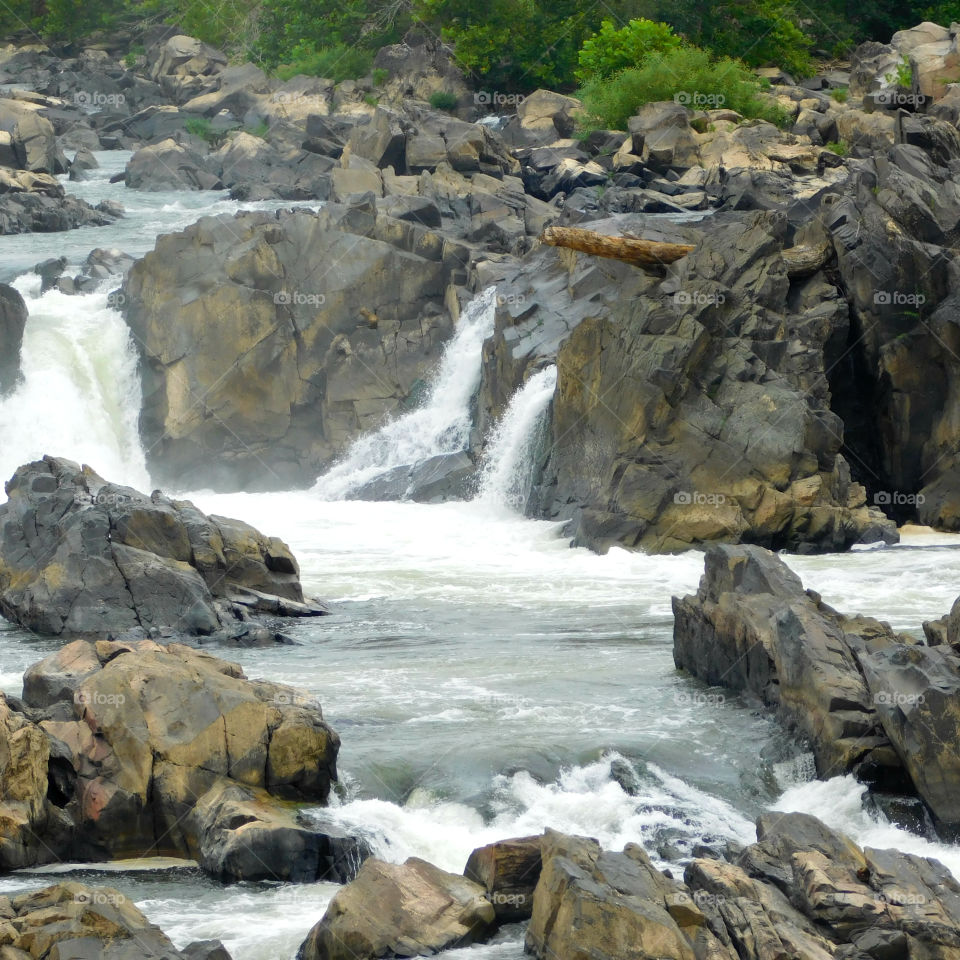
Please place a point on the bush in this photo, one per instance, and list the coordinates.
(611, 50)
(443, 100)
(689, 75)
(337, 63)
(201, 127)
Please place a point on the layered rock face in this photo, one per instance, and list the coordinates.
(132, 748)
(79, 555)
(801, 891)
(869, 701)
(78, 921)
(269, 342)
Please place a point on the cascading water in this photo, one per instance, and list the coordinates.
(79, 395)
(509, 464)
(441, 425)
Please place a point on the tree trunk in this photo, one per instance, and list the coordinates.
(628, 249)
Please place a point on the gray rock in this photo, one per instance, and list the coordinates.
(13, 320)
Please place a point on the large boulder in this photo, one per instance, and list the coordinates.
(13, 320)
(169, 165)
(144, 749)
(185, 67)
(36, 203)
(300, 331)
(28, 139)
(419, 66)
(508, 870)
(408, 910)
(77, 921)
(79, 555)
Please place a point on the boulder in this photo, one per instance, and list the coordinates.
(36, 203)
(752, 627)
(408, 910)
(542, 118)
(77, 921)
(169, 165)
(326, 323)
(183, 66)
(662, 136)
(79, 555)
(168, 751)
(508, 871)
(447, 476)
(13, 321)
(419, 66)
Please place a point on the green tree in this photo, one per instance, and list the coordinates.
(612, 49)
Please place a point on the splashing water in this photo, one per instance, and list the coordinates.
(442, 425)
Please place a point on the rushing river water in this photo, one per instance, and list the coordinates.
(485, 678)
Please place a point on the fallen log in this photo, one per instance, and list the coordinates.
(805, 260)
(629, 249)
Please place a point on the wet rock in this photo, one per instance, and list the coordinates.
(13, 320)
(322, 355)
(79, 555)
(508, 870)
(36, 203)
(79, 921)
(420, 910)
(447, 476)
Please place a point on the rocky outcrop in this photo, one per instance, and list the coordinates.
(508, 871)
(408, 910)
(36, 203)
(78, 921)
(867, 700)
(13, 320)
(127, 748)
(303, 329)
(79, 555)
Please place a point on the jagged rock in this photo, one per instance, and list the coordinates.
(35, 202)
(752, 627)
(243, 835)
(342, 313)
(184, 65)
(168, 751)
(32, 141)
(77, 921)
(420, 910)
(169, 165)
(542, 117)
(419, 66)
(508, 870)
(662, 136)
(13, 320)
(79, 555)
(447, 476)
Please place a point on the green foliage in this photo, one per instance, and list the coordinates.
(380, 76)
(337, 63)
(133, 54)
(840, 94)
(688, 74)
(201, 127)
(443, 100)
(839, 147)
(371, 100)
(259, 130)
(611, 50)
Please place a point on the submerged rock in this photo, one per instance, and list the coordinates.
(13, 320)
(79, 555)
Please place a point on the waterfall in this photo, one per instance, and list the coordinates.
(440, 426)
(79, 396)
(507, 473)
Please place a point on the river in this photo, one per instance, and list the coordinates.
(485, 678)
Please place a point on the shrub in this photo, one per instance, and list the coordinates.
(201, 127)
(839, 147)
(337, 63)
(380, 76)
(689, 75)
(840, 94)
(611, 50)
(443, 100)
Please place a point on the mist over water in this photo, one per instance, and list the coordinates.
(486, 679)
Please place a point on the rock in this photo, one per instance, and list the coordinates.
(419, 66)
(35, 202)
(382, 141)
(169, 165)
(243, 835)
(31, 142)
(751, 627)
(79, 555)
(914, 691)
(76, 921)
(420, 910)
(83, 162)
(309, 370)
(182, 66)
(13, 320)
(662, 136)
(542, 117)
(167, 751)
(447, 476)
(508, 870)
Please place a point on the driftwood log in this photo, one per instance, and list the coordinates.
(629, 249)
(804, 261)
